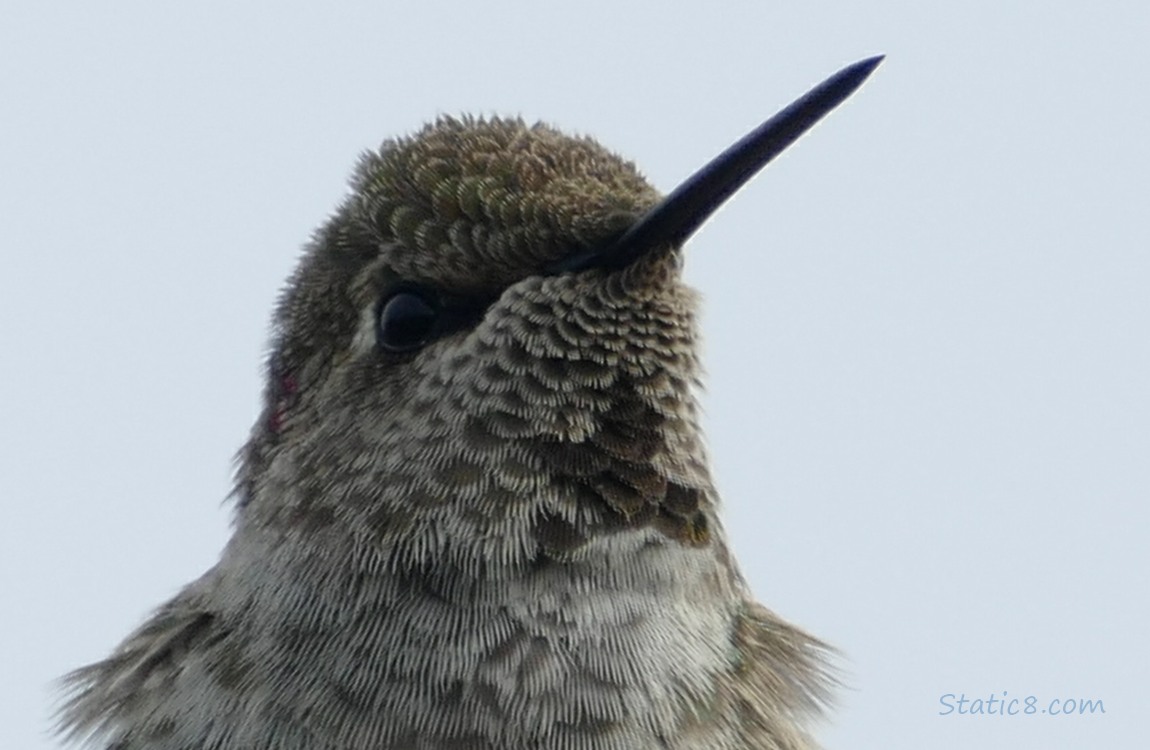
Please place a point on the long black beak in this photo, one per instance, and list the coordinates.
(682, 212)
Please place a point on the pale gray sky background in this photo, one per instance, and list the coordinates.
(929, 391)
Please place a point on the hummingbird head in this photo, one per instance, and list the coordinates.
(439, 380)
(488, 354)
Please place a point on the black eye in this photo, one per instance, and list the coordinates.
(406, 320)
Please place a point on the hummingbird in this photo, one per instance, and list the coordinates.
(476, 511)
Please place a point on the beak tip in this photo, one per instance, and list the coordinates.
(861, 70)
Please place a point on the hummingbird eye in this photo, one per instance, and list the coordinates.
(407, 320)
